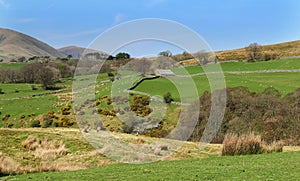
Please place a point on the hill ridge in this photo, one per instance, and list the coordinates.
(14, 44)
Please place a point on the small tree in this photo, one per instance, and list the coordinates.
(122, 55)
(168, 98)
(111, 76)
(46, 77)
(254, 52)
(69, 57)
(166, 53)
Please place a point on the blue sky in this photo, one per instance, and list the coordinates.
(224, 24)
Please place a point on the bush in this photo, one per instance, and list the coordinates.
(168, 98)
(276, 146)
(5, 117)
(109, 74)
(141, 106)
(33, 87)
(45, 149)
(242, 145)
(66, 110)
(8, 166)
(65, 122)
(47, 123)
(35, 124)
(109, 101)
(248, 144)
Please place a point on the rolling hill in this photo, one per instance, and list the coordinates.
(72, 50)
(286, 49)
(76, 52)
(14, 45)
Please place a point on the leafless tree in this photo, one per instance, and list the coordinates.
(254, 52)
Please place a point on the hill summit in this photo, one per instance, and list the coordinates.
(14, 45)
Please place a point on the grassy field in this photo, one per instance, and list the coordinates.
(282, 64)
(12, 65)
(276, 166)
(80, 154)
(285, 82)
(211, 166)
(22, 102)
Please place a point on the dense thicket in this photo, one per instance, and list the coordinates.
(267, 113)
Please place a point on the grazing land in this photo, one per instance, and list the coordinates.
(276, 166)
(25, 105)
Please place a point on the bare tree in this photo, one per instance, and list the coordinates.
(254, 52)
(46, 77)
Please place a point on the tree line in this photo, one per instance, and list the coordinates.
(46, 74)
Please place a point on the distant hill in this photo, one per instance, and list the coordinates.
(286, 49)
(14, 45)
(72, 50)
(76, 52)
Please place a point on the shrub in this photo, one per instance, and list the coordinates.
(242, 145)
(66, 110)
(110, 74)
(141, 106)
(109, 101)
(168, 98)
(65, 122)
(47, 123)
(276, 146)
(35, 124)
(248, 144)
(8, 166)
(44, 148)
(5, 117)
(33, 87)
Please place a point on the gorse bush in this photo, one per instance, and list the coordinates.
(141, 106)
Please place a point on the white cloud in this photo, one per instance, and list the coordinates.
(4, 4)
(118, 18)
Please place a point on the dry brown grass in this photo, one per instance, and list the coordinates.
(45, 149)
(285, 49)
(248, 144)
(8, 165)
(276, 146)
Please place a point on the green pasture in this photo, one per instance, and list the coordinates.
(281, 64)
(285, 82)
(275, 166)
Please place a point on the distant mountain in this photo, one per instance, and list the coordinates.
(286, 49)
(76, 52)
(14, 45)
(72, 50)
